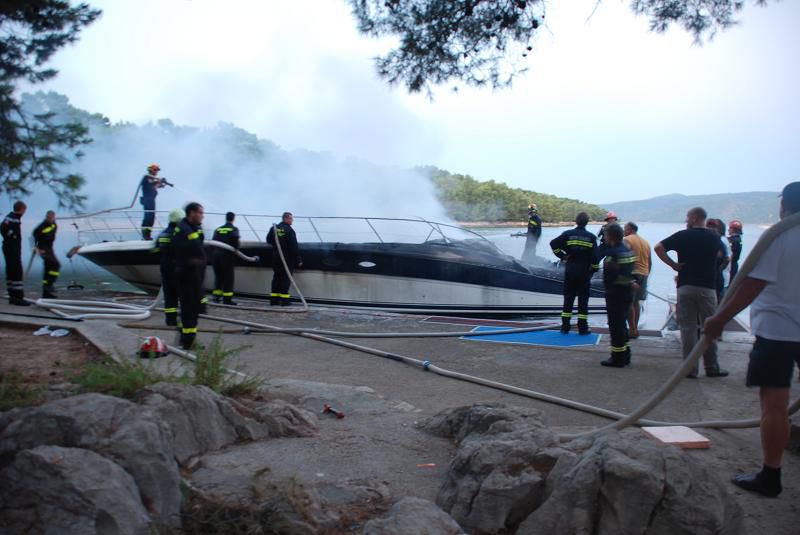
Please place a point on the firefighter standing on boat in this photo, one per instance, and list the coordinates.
(577, 247)
(11, 230)
(190, 268)
(150, 185)
(44, 236)
(534, 232)
(288, 243)
(169, 278)
(224, 260)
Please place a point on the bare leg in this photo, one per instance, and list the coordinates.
(775, 427)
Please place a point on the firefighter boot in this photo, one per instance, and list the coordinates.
(617, 360)
(583, 327)
(17, 297)
(171, 319)
(187, 341)
(627, 353)
(227, 300)
(147, 234)
(564, 325)
(48, 292)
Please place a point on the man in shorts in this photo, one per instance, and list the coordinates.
(773, 288)
(641, 270)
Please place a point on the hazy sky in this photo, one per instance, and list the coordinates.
(608, 111)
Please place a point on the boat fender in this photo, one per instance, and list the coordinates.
(426, 364)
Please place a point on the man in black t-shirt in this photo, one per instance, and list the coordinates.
(697, 248)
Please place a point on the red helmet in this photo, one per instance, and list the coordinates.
(153, 167)
(152, 347)
(735, 225)
(611, 215)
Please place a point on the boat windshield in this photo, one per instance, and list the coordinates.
(123, 225)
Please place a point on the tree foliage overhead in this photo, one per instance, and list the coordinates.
(484, 42)
(467, 199)
(36, 147)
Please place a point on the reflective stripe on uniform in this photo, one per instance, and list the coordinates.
(227, 294)
(583, 316)
(189, 330)
(54, 273)
(49, 229)
(171, 310)
(285, 296)
(204, 300)
(224, 230)
(615, 349)
(193, 236)
(580, 243)
(216, 292)
(566, 314)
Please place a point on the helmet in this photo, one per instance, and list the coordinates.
(735, 225)
(176, 215)
(152, 347)
(611, 215)
(532, 206)
(153, 167)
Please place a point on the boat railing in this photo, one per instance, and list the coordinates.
(124, 224)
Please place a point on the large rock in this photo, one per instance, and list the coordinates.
(50, 489)
(497, 477)
(621, 483)
(414, 515)
(510, 474)
(201, 420)
(129, 435)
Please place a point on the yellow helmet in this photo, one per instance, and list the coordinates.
(176, 215)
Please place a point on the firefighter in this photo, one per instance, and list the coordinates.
(150, 185)
(169, 280)
(618, 280)
(44, 236)
(224, 260)
(288, 242)
(11, 229)
(190, 269)
(577, 247)
(611, 219)
(534, 232)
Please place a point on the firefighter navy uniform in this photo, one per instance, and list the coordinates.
(280, 278)
(190, 268)
(11, 229)
(224, 262)
(578, 248)
(44, 236)
(169, 278)
(149, 185)
(617, 278)
(533, 235)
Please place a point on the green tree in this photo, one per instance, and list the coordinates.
(484, 42)
(35, 146)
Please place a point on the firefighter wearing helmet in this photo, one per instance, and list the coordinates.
(150, 185)
(611, 218)
(735, 241)
(534, 233)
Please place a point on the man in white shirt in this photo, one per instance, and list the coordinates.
(773, 288)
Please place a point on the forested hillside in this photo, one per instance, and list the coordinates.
(750, 207)
(467, 199)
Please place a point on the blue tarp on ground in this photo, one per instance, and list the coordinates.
(539, 338)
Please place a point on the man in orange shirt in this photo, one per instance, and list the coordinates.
(641, 270)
